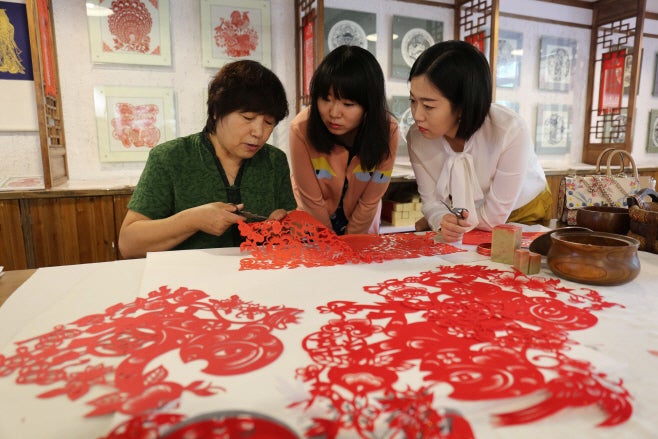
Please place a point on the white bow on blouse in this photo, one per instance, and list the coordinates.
(459, 181)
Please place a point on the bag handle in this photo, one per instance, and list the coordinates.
(599, 159)
(622, 154)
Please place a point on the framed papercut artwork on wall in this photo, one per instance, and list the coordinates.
(353, 28)
(135, 32)
(402, 111)
(16, 75)
(411, 36)
(508, 65)
(556, 63)
(553, 131)
(132, 120)
(652, 138)
(235, 29)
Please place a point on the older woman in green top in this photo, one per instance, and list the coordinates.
(192, 188)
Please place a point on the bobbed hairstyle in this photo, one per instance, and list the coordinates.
(462, 75)
(247, 86)
(352, 73)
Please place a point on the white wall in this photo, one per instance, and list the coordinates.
(20, 152)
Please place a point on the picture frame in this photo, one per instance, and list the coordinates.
(410, 37)
(17, 76)
(132, 120)
(354, 28)
(652, 137)
(654, 92)
(232, 30)
(612, 81)
(401, 109)
(553, 130)
(628, 64)
(556, 63)
(110, 44)
(508, 64)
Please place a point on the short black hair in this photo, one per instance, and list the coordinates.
(354, 74)
(245, 85)
(463, 76)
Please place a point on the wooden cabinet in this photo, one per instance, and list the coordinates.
(12, 249)
(48, 228)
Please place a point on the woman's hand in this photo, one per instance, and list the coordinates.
(453, 227)
(216, 218)
(278, 214)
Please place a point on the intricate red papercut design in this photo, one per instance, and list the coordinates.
(487, 333)
(136, 125)
(299, 240)
(236, 36)
(130, 26)
(233, 336)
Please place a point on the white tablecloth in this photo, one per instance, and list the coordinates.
(623, 344)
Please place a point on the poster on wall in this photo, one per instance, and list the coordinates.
(235, 29)
(132, 120)
(508, 64)
(411, 36)
(612, 81)
(556, 63)
(16, 74)
(553, 131)
(352, 28)
(135, 32)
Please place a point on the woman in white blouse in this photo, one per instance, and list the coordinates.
(467, 152)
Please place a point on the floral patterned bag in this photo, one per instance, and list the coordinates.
(600, 189)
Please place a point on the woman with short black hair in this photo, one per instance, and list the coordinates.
(467, 152)
(192, 188)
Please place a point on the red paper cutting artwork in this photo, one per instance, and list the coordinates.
(485, 333)
(236, 36)
(231, 335)
(130, 25)
(299, 240)
(136, 125)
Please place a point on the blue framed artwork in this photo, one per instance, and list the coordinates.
(553, 132)
(556, 63)
(508, 64)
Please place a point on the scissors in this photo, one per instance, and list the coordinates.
(457, 211)
(248, 215)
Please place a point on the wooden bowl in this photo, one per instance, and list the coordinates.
(607, 219)
(596, 258)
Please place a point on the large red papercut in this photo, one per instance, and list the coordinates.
(487, 333)
(299, 240)
(236, 35)
(231, 335)
(130, 25)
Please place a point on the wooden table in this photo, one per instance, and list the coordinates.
(11, 280)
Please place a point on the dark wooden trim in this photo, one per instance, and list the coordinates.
(545, 20)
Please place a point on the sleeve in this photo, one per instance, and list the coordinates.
(508, 177)
(306, 188)
(367, 205)
(433, 209)
(284, 195)
(153, 195)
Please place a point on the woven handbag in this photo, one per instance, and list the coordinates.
(600, 189)
(643, 213)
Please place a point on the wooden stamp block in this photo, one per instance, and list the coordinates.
(505, 239)
(521, 259)
(534, 263)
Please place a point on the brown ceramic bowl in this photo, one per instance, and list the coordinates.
(595, 258)
(607, 219)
